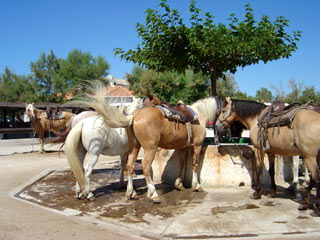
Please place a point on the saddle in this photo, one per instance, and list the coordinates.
(278, 115)
(181, 112)
(54, 113)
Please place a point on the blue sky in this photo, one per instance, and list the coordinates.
(28, 28)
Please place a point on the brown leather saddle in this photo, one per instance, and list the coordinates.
(278, 115)
(183, 111)
(54, 113)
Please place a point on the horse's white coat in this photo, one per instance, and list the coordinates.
(93, 137)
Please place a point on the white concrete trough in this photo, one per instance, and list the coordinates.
(225, 165)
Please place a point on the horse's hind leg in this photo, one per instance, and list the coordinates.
(131, 193)
(315, 181)
(149, 155)
(82, 154)
(305, 196)
(93, 159)
(183, 154)
(123, 162)
(271, 158)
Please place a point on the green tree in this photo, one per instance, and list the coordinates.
(56, 76)
(169, 86)
(80, 67)
(309, 93)
(15, 88)
(45, 70)
(264, 95)
(167, 43)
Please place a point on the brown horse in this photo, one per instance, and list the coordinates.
(41, 123)
(149, 129)
(301, 137)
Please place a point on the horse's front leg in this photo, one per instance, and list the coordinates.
(41, 137)
(149, 155)
(195, 165)
(183, 154)
(271, 158)
(259, 167)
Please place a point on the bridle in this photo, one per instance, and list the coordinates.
(230, 113)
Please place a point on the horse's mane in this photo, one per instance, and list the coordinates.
(207, 106)
(247, 108)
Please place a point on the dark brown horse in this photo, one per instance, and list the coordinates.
(149, 129)
(301, 137)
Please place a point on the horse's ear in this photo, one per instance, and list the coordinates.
(26, 104)
(228, 100)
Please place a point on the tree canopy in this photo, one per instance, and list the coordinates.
(169, 86)
(167, 43)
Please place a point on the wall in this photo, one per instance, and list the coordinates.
(220, 166)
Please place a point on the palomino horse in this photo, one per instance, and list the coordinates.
(42, 124)
(300, 138)
(149, 129)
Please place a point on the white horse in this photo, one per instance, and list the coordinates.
(92, 137)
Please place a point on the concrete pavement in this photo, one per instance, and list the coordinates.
(40, 186)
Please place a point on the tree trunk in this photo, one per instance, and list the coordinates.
(213, 84)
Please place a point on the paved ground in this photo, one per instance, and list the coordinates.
(37, 202)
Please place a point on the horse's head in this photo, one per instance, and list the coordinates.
(227, 115)
(30, 111)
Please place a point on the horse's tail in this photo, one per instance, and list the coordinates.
(113, 117)
(71, 149)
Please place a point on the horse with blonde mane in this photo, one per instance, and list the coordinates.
(42, 123)
(149, 128)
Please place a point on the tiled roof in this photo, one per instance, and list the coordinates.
(118, 91)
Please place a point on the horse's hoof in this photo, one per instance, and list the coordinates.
(132, 196)
(317, 210)
(255, 196)
(178, 185)
(156, 200)
(302, 207)
(273, 194)
(91, 197)
(199, 189)
(81, 197)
